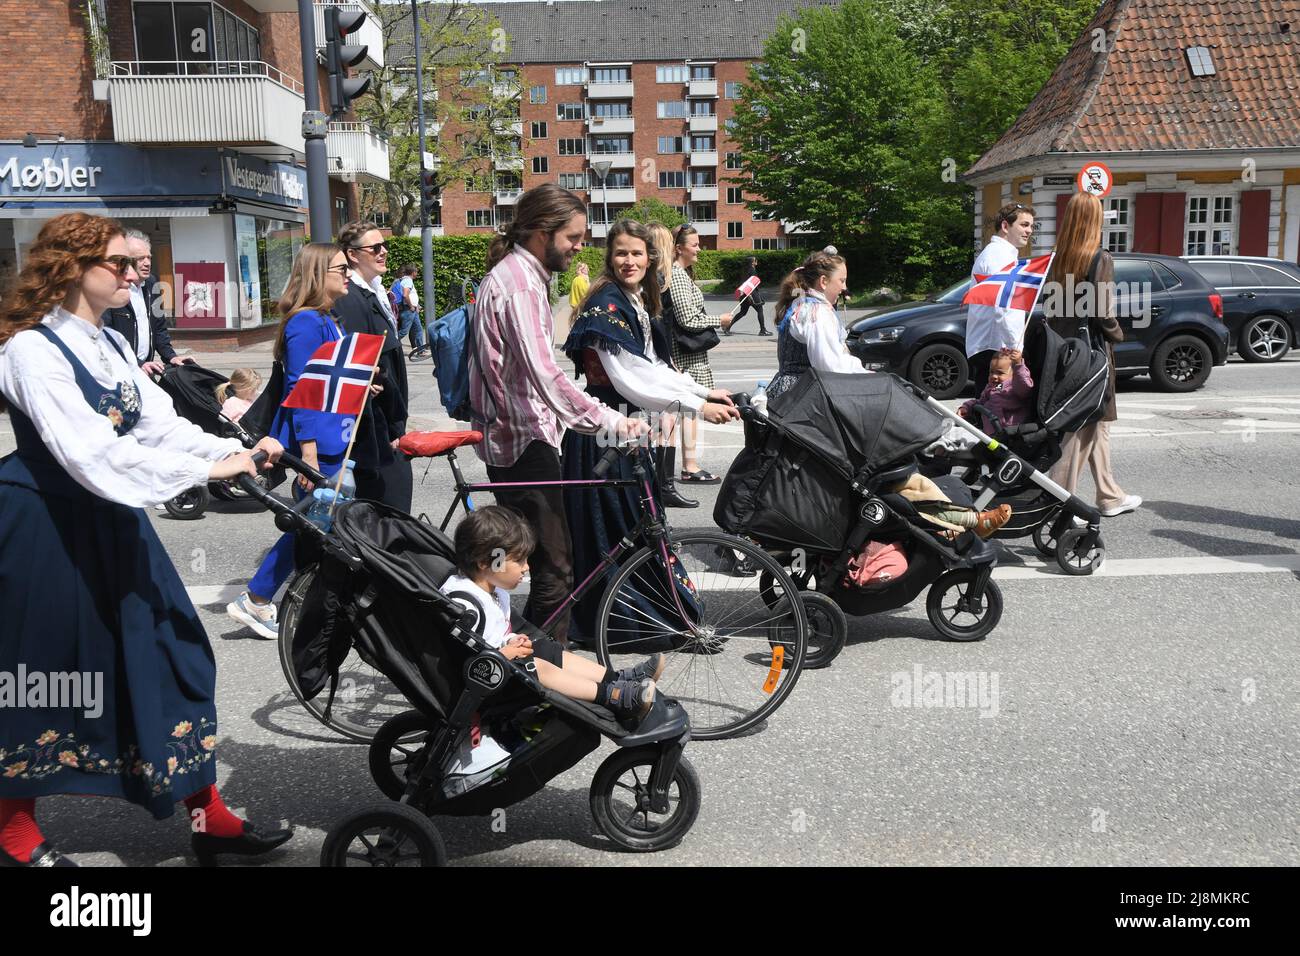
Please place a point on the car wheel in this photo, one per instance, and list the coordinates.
(1266, 338)
(1181, 363)
(941, 369)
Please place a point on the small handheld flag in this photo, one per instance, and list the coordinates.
(747, 287)
(337, 377)
(1015, 287)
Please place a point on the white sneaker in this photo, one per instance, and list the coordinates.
(261, 618)
(1130, 503)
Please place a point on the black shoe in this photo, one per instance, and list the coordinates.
(43, 856)
(669, 496)
(252, 842)
(740, 567)
(764, 332)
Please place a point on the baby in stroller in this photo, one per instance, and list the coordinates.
(492, 548)
(1008, 399)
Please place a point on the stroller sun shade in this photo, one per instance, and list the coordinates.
(193, 391)
(1072, 379)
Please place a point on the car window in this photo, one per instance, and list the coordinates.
(1270, 276)
(1168, 276)
(1218, 274)
(1132, 273)
(1243, 276)
(954, 293)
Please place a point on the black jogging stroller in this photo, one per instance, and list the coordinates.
(192, 390)
(813, 488)
(375, 586)
(1009, 466)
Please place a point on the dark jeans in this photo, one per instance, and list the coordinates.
(551, 564)
(410, 323)
(392, 484)
(979, 369)
(745, 305)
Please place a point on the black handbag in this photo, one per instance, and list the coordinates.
(689, 340)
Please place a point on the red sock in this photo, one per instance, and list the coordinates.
(19, 834)
(208, 814)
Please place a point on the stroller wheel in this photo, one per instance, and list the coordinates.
(189, 505)
(393, 834)
(951, 611)
(394, 749)
(1043, 539)
(224, 491)
(1074, 558)
(620, 801)
(767, 589)
(828, 629)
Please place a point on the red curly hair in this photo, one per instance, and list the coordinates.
(67, 246)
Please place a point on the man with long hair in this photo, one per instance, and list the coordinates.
(522, 400)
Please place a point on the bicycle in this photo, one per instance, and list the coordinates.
(734, 654)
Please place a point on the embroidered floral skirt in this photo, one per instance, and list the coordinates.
(106, 675)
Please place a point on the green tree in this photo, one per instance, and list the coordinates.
(465, 88)
(650, 209)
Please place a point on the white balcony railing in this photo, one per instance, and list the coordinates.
(357, 152)
(230, 103)
(609, 91)
(274, 6)
(703, 124)
(796, 229)
(704, 158)
(611, 124)
(615, 160)
(508, 162)
(706, 228)
(702, 88)
(704, 193)
(371, 34)
(615, 194)
(508, 197)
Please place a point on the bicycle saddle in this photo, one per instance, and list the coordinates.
(431, 444)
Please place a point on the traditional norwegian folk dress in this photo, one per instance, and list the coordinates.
(88, 596)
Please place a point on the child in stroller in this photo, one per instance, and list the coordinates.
(1008, 398)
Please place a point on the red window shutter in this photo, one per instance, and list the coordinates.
(1253, 240)
(1146, 223)
(1172, 213)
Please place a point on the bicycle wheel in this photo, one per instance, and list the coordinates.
(736, 659)
(365, 699)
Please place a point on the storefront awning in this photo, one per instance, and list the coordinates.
(30, 210)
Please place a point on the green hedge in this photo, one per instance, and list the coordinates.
(454, 258)
(732, 267)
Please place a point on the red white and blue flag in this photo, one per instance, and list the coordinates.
(337, 376)
(1015, 287)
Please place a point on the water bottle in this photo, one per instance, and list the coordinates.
(319, 512)
(348, 487)
(758, 401)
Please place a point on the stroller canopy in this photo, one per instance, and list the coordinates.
(857, 421)
(1071, 377)
(193, 390)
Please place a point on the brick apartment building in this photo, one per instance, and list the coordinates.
(179, 118)
(648, 88)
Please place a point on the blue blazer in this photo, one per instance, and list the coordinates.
(303, 335)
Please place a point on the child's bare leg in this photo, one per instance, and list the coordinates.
(582, 667)
(563, 682)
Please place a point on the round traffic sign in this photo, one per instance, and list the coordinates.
(1095, 179)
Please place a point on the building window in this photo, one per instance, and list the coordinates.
(672, 109)
(735, 230)
(570, 75)
(1117, 228)
(537, 94)
(733, 160)
(729, 124)
(611, 144)
(475, 77)
(704, 177)
(478, 218)
(703, 212)
(671, 74)
(509, 182)
(193, 32)
(757, 216)
(614, 179)
(777, 243)
(731, 90)
(702, 108)
(672, 180)
(735, 196)
(672, 144)
(703, 144)
(611, 74)
(478, 184)
(538, 130)
(568, 111)
(573, 180)
(1209, 226)
(541, 165)
(612, 109)
(572, 146)
(702, 71)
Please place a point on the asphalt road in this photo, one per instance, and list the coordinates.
(1146, 715)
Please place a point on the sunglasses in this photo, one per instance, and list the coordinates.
(120, 264)
(375, 249)
(341, 270)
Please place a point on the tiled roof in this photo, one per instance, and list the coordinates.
(1141, 95)
(574, 31)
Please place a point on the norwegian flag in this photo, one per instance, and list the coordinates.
(1015, 287)
(337, 376)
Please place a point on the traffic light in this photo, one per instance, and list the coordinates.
(429, 193)
(340, 55)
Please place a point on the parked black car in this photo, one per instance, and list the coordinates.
(1172, 320)
(1261, 302)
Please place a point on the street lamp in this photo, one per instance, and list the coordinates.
(601, 169)
(30, 141)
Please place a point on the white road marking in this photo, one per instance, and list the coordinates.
(1265, 410)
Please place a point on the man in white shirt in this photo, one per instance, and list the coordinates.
(989, 328)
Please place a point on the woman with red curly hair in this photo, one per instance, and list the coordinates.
(110, 675)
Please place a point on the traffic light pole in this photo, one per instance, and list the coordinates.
(314, 128)
(426, 223)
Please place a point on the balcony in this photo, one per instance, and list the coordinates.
(615, 160)
(609, 91)
(704, 158)
(704, 193)
(274, 6)
(797, 229)
(611, 124)
(508, 197)
(702, 88)
(709, 228)
(357, 152)
(215, 103)
(371, 34)
(703, 124)
(614, 194)
(508, 162)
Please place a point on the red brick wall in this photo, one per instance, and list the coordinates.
(46, 72)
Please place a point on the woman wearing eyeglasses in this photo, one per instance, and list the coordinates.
(92, 603)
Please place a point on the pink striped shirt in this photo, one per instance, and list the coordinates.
(515, 383)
